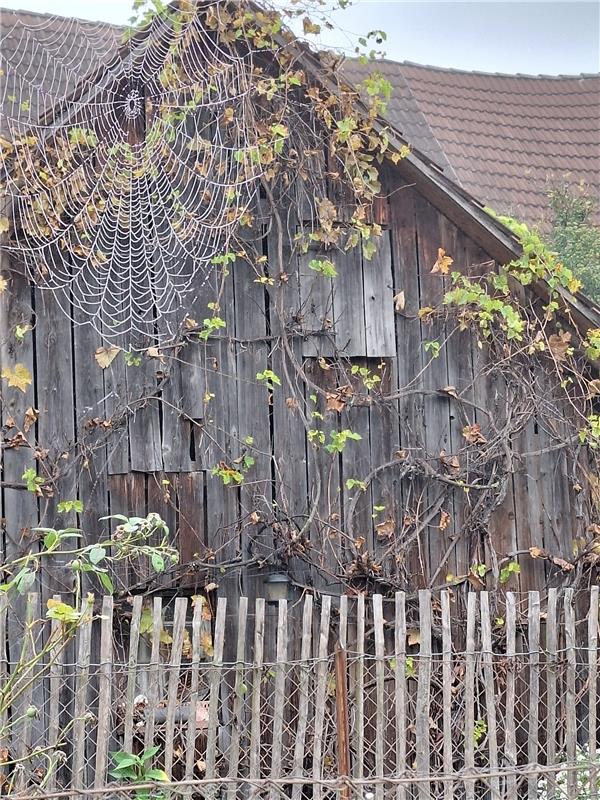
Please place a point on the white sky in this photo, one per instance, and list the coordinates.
(532, 37)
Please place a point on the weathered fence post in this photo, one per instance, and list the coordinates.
(342, 721)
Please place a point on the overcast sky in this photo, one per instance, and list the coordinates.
(531, 37)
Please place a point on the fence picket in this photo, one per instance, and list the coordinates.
(490, 695)
(238, 700)
(470, 658)
(81, 684)
(534, 688)
(279, 692)
(593, 689)
(134, 641)
(571, 697)
(551, 677)
(215, 680)
(303, 692)
(380, 712)
(25, 685)
(174, 670)
(400, 690)
(320, 695)
(423, 692)
(104, 692)
(510, 747)
(359, 689)
(257, 662)
(447, 692)
(190, 754)
(4, 671)
(154, 673)
(56, 659)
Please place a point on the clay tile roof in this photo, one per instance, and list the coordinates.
(506, 138)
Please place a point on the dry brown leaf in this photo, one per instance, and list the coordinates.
(327, 213)
(291, 403)
(335, 402)
(473, 434)
(451, 463)
(566, 566)
(30, 418)
(3, 284)
(228, 115)
(413, 637)
(399, 302)
(255, 517)
(445, 520)
(386, 528)
(206, 643)
(560, 344)
(450, 390)
(106, 355)
(443, 263)
(9, 423)
(537, 552)
(18, 376)
(594, 387)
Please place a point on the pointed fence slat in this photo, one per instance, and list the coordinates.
(534, 688)
(400, 690)
(380, 715)
(447, 692)
(259, 638)
(23, 730)
(81, 685)
(215, 684)
(303, 696)
(510, 747)
(320, 695)
(280, 682)
(359, 690)
(104, 692)
(238, 699)
(174, 670)
(470, 660)
(551, 683)
(571, 696)
(190, 752)
(55, 680)
(134, 640)
(593, 689)
(490, 694)
(154, 673)
(423, 692)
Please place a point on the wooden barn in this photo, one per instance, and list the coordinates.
(338, 428)
(234, 295)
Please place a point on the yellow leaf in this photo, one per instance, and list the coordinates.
(425, 312)
(106, 355)
(4, 225)
(3, 284)
(19, 376)
(228, 115)
(442, 265)
(309, 26)
(207, 644)
(165, 637)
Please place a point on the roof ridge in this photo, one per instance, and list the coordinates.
(50, 15)
(539, 76)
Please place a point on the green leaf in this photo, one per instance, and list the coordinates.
(158, 562)
(151, 751)
(106, 582)
(96, 554)
(156, 775)
(51, 539)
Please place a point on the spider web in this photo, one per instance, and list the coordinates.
(122, 164)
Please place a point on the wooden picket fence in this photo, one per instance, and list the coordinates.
(403, 697)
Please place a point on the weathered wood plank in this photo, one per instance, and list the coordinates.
(154, 673)
(447, 693)
(359, 689)
(190, 752)
(378, 300)
(80, 736)
(593, 689)
(215, 678)
(320, 696)
(238, 697)
(104, 727)
(257, 665)
(570, 699)
(423, 692)
(551, 687)
(279, 692)
(469, 729)
(303, 696)
(490, 693)
(173, 687)
(534, 687)
(380, 710)
(400, 696)
(130, 691)
(510, 747)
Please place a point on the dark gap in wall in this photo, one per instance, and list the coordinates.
(268, 331)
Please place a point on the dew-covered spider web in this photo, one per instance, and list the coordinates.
(125, 161)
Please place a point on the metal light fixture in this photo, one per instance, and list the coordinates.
(276, 587)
